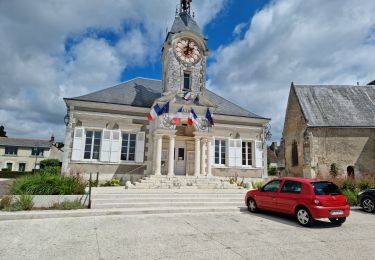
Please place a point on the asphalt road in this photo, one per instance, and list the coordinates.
(195, 236)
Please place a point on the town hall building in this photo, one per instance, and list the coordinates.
(190, 131)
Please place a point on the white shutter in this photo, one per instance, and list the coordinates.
(115, 146)
(213, 152)
(258, 154)
(238, 152)
(140, 147)
(78, 144)
(106, 146)
(232, 153)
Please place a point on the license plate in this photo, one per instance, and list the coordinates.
(336, 212)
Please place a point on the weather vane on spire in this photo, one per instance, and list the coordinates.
(185, 6)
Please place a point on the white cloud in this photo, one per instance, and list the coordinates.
(308, 42)
(37, 70)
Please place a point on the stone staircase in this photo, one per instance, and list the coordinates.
(184, 182)
(147, 201)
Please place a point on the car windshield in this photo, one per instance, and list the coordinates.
(326, 188)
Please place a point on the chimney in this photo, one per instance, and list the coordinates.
(52, 140)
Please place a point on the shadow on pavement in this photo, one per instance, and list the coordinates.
(360, 211)
(287, 219)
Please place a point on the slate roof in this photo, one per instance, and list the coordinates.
(142, 92)
(337, 106)
(23, 142)
(184, 22)
(371, 83)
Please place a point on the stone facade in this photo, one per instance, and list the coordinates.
(320, 146)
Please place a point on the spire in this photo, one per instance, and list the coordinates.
(185, 6)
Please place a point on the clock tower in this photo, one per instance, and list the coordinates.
(184, 55)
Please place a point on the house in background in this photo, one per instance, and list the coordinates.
(21, 154)
(108, 131)
(330, 124)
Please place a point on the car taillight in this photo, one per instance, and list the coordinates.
(316, 202)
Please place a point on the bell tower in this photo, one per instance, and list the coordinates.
(184, 55)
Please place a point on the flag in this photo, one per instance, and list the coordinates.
(177, 119)
(164, 109)
(187, 96)
(209, 117)
(155, 111)
(193, 118)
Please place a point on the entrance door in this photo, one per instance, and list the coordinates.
(180, 158)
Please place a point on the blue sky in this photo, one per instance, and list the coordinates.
(55, 49)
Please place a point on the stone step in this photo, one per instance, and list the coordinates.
(159, 196)
(199, 204)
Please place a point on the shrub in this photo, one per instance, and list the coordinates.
(50, 170)
(25, 201)
(349, 185)
(272, 171)
(351, 197)
(48, 184)
(49, 163)
(12, 175)
(113, 182)
(5, 202)
(68, 205)
(333, 170)
(257, 184)
(364, 184)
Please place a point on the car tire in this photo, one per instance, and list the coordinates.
(304, 217)
(338, 221)
(368, 204)
(252, 205)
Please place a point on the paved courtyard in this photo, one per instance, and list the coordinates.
(194, 236)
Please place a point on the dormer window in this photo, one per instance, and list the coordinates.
(186, 81)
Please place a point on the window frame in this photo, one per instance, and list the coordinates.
(14, 148)
(247, 142)
(220, 158)
(38, 149)
(100, 131)
(189, 78)
(291, 192)
(280, 182)
(19, 167)
(128, 146)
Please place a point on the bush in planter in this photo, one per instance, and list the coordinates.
(48, 184)
(68, 205)
(113, 182)
(257, 184)
(23, 202)
(5, 202)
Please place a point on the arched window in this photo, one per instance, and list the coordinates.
(294, 153)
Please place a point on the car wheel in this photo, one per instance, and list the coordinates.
(337, 221)
(252, 205)
(304, 217)
(368, 205)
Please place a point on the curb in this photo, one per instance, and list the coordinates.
(49, 214)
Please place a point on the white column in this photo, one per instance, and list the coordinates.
(203, 158)
(197, 156)
(209, 157)
(157, 150)
(171, 155)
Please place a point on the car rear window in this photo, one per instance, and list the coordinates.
(325, 188)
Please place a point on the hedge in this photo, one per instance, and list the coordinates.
(13, 175)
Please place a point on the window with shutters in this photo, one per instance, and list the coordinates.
(92, 145)
(220, 152)
(128, 147)
(294, 153)
(247, 153)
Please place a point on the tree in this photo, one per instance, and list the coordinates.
(333, 170)
(2, 132)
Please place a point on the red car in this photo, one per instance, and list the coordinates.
(307, 199)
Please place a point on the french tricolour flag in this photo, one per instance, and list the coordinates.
(155, 111)
(210, 117)
(177, 119)
(193, 118)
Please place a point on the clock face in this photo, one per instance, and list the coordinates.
(187, 50)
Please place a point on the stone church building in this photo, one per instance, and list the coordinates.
(327, 125)
(108, 131)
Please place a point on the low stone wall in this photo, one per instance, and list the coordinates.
(47, 201)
